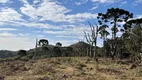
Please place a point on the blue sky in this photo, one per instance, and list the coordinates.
(22, 21)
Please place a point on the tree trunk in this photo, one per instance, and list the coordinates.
(91, 51)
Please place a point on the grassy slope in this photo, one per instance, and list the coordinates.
(68, 68)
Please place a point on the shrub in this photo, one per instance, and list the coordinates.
(22, 52)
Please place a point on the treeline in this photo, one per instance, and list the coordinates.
(44, 50)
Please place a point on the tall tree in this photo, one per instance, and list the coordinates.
(113, 17)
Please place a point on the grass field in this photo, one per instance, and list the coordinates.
(68, 68)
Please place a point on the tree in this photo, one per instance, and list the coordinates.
(104, 33)
(58, 44)
(92, 39)
(129, 24)
(114, 17)
(110, 46)
(133, 29)
(35, 53)
(57, 51)
(43, 42)
(22, 53)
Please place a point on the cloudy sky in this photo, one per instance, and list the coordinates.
(22, 21)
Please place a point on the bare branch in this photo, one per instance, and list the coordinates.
(87, 37)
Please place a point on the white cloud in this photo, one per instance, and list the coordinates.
(124, 2)
(9, 14)
(8, 29)
(34, 25)
(16, 43)
(103, 1)
(73, 31)
(29, 11)
(40, 36)
(6, 34)
(53, 11)
(93, 8)
(48, 10)
(36, 1)
(22, 35)
(138, 1)
(66, 36)
(81, 2)
(4, 1)
(81, 17)
(106, 1)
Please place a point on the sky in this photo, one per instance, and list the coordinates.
(22, 21)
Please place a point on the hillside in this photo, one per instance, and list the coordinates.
(68, 68)
(80, 45)
(61, 63)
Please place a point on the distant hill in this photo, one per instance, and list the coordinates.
(80, 48)
(7, 53)
(80, 44)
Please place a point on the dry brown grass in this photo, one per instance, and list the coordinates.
(68, 68)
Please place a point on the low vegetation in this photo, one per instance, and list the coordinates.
(68, 68)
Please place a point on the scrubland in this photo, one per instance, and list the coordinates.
(68, 68)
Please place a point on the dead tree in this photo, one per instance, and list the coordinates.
(92, 40)
(36, 48)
